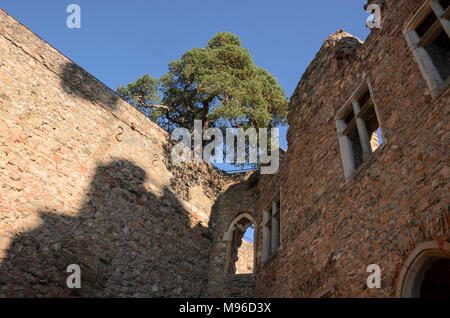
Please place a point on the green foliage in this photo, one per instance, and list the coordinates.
(219, 84)
(147, 88)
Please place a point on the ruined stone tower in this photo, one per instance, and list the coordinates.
(365, 179)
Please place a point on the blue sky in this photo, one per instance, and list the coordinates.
(122, 40)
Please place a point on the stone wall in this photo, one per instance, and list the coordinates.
(239, 286)
(332, 229)
(244, 263)
(86, 179)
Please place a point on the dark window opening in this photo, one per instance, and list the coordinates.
(349, 116)
(364, 98)
(444, 3)
(439, 51)
(426, 24)
(436, 282)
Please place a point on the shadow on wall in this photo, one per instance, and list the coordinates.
(127, 241)
(75, 80)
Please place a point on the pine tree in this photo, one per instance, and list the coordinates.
(218, 84)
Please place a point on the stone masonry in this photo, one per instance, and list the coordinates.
(87, 179)
(244, 263)
(332, 229)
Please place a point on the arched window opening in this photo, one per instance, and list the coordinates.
(240, 250)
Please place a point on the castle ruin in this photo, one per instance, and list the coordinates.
(86, 179)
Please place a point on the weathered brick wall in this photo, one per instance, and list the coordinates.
(86, 179)
(331, 230)
(244, 263)
(239, 286)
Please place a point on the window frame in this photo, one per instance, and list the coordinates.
(417, 45)
(271, 219)
(346, 148)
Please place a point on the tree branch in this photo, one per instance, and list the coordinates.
(152, 106)
(174, 120)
